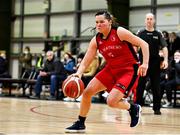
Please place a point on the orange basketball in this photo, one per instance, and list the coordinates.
(73, 87)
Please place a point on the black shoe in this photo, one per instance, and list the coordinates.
(51, 98)
(61, 95)
(135, 114)
(157, 112)
(77, 127)
(34, 97)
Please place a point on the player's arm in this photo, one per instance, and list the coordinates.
(88, 58)
(126, 35)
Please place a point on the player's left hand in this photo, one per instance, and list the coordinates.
(142, 70)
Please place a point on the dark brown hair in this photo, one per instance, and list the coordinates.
(108, 16)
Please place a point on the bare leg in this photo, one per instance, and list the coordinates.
(115, 100)
(93, 87)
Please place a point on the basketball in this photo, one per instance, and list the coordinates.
(73, 87)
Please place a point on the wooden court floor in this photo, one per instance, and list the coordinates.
(39, 117)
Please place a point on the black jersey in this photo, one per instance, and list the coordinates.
(154, 39)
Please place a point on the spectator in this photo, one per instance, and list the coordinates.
(172, 84)
(79, 59)
(40, 60)
(69, 63)
(166, 37)
(25, 60)
(54, 72)
(4, 67)
(174, 41)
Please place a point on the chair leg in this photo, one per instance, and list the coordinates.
(174, 98)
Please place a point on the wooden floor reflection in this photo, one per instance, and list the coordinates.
(24, 116)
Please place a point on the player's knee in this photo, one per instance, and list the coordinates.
(87, 93)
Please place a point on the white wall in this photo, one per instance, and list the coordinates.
(159, 2)
(140, 2)
(87, 21)
(33, 6)
(166, 19)
(62, 5)
(62, 23)
(34, 27)
(94, 4)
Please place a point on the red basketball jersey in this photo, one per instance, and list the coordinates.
(116, 52)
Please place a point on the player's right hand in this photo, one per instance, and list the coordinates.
(142, 70)
(76, 75)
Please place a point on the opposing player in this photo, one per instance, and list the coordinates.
(120, 74)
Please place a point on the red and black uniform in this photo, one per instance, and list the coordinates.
(120, 71)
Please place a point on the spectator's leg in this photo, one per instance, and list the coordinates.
(169, 86)
(38, 85)
(54, 84)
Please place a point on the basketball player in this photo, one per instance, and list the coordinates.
(120, 74)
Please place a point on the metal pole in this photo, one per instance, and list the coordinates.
(154, 9)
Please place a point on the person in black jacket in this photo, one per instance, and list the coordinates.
(54, 72)
(175, 81)
(4, 67)
(156, 42)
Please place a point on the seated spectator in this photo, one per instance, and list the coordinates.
(166, 37)
(53, 72)
(174, 42)
(40, 60)
(3, 69)
(79, 59)
(69, 63)
(172, 84)
(25, 60)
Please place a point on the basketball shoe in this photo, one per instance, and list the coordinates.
(77, 127)
(135, 113)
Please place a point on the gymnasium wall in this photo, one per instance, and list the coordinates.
(167, 18)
